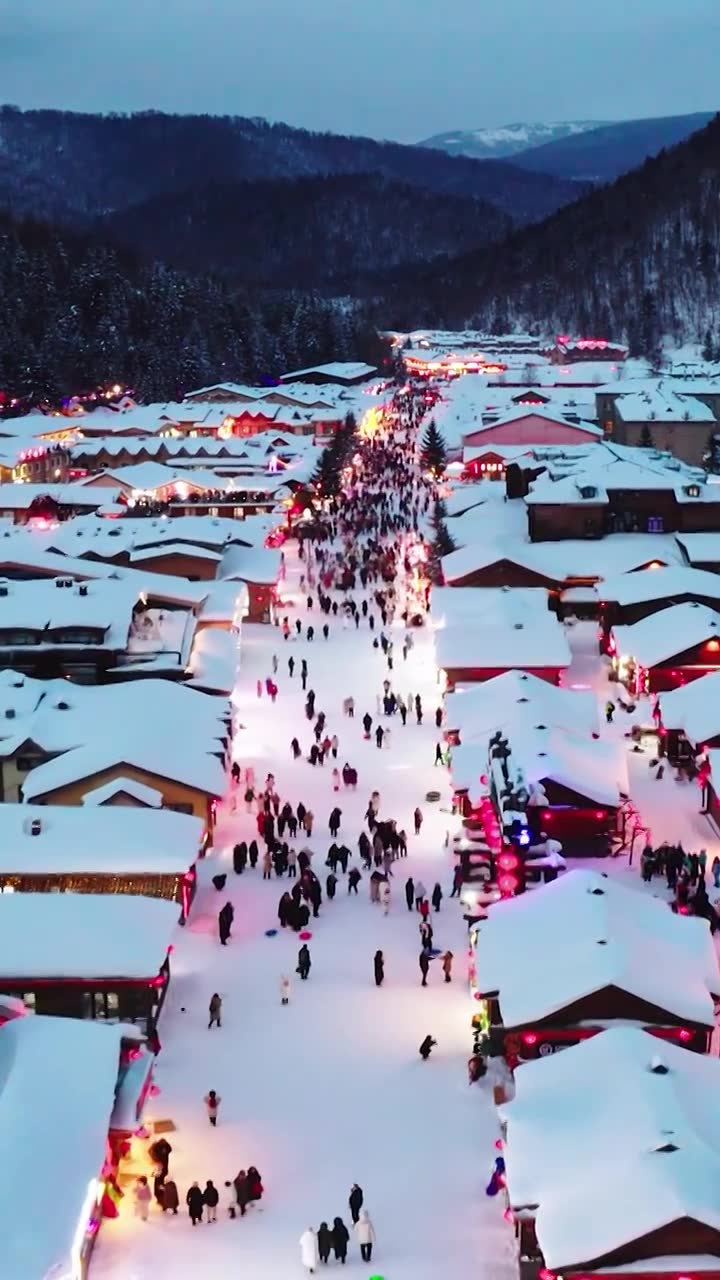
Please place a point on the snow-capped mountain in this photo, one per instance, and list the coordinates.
(508, 140)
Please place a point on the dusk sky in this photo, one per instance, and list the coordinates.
(399, 69)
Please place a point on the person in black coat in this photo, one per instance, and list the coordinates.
(225, 919)
(356, 1197)
(330, 886)
(379, 965)
(285, 910)
(211, 1198)
(436, 897)
(240, 857)
(194, 1201)
(424, 963)
(340, 1239)
(354, 879)
(253, 853)
(426, 1048)
(410, 893)
(324, 1242)
(303, 964)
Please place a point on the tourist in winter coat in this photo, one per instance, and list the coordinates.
(308, 822)
(419, 894)
(354, 878)
(170, 1198)
(330, 886)
(355, 1201)
(379, 966)
(334, 822)
(240, 852)
(303, 964)
(410, 893)
(379, 735)
(426, 1048)
(212, 1102)
(211, 1199)
(285, 907)
(215, 1010)
(309, 1250)
(437, 897)
(253, 852)
(324, 1242)
(447, 962)
(367, 724)
(384, 895)
(225, 919)
(267, 865)
(284, 989)
(240, 1186)
(143, 1196)
(340, 1239)
(254, 1185)
(365, 1232)
(424, 962)
(295, 748)
(418, 820)
(195, 1203)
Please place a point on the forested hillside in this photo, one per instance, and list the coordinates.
(639, 258)
(311, 233)
(78, 312)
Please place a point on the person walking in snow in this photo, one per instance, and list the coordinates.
(424, 962)
(365, 1232)
(284, 989)
(324, 1242)
(418, 708)
(384, 896)
(379, 968)
(437, 895)
(143, 1196)
(211, 1199)
(225, 919)
(426, 1048)
(309, 1250)
(340, 1239)
(195, 1203)
(355, 1201)
(447, 961)
(215, 1010)
(418, 820)
(304, 962)
(212, 1102)
(410, 893)
(379, 735)
(419, 894)
(609, 711)
(354, 878)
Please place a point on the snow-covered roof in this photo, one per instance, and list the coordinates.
(518, 696)
(663, 635)
(214, 660)
(18, 497)
(586, 932)
(118, 839)
(148, 796)
(649, 1144)
(160, 757)
(519, 413)
(660, 584)
(594, 769)
(84, 935)
(42, 606)
(694, 708)
(700, 548)
(251, 564)
(58, 1078)
(342, 370)
(663, 405)
(512, 628)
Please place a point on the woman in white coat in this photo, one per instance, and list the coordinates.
(309, 1249)
(365, 1232)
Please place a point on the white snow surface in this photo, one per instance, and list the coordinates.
(329, 1090)
(79, 935)
(96, 838)
(632, 1185)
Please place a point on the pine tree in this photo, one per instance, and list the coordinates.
(433, 454)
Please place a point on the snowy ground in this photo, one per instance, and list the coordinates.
(331, 1089)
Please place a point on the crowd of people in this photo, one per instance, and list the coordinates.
(243, 1192)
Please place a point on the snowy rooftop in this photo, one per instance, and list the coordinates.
(663, 405)
(694, 708)
(661, 636)
(251, 564)
(163, 756)
(18, 497)
(659, 584)
(620, 553)
(79, 839)
(214, 660)
(517, 695)
(512, 628)
(583, 933)
(611, 469)
(650, 1145)
(58, 1078)
(596, 770)
(520, 413)
(700, 548)
(340, 369)
(45, 607)
(84, 935)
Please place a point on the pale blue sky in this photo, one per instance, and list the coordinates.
(390, 68)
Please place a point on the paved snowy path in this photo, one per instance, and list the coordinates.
(331, 1089)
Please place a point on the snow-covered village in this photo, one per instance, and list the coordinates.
(359, 641)
(361, 753)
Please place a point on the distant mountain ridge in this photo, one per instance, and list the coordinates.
(506, 140)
